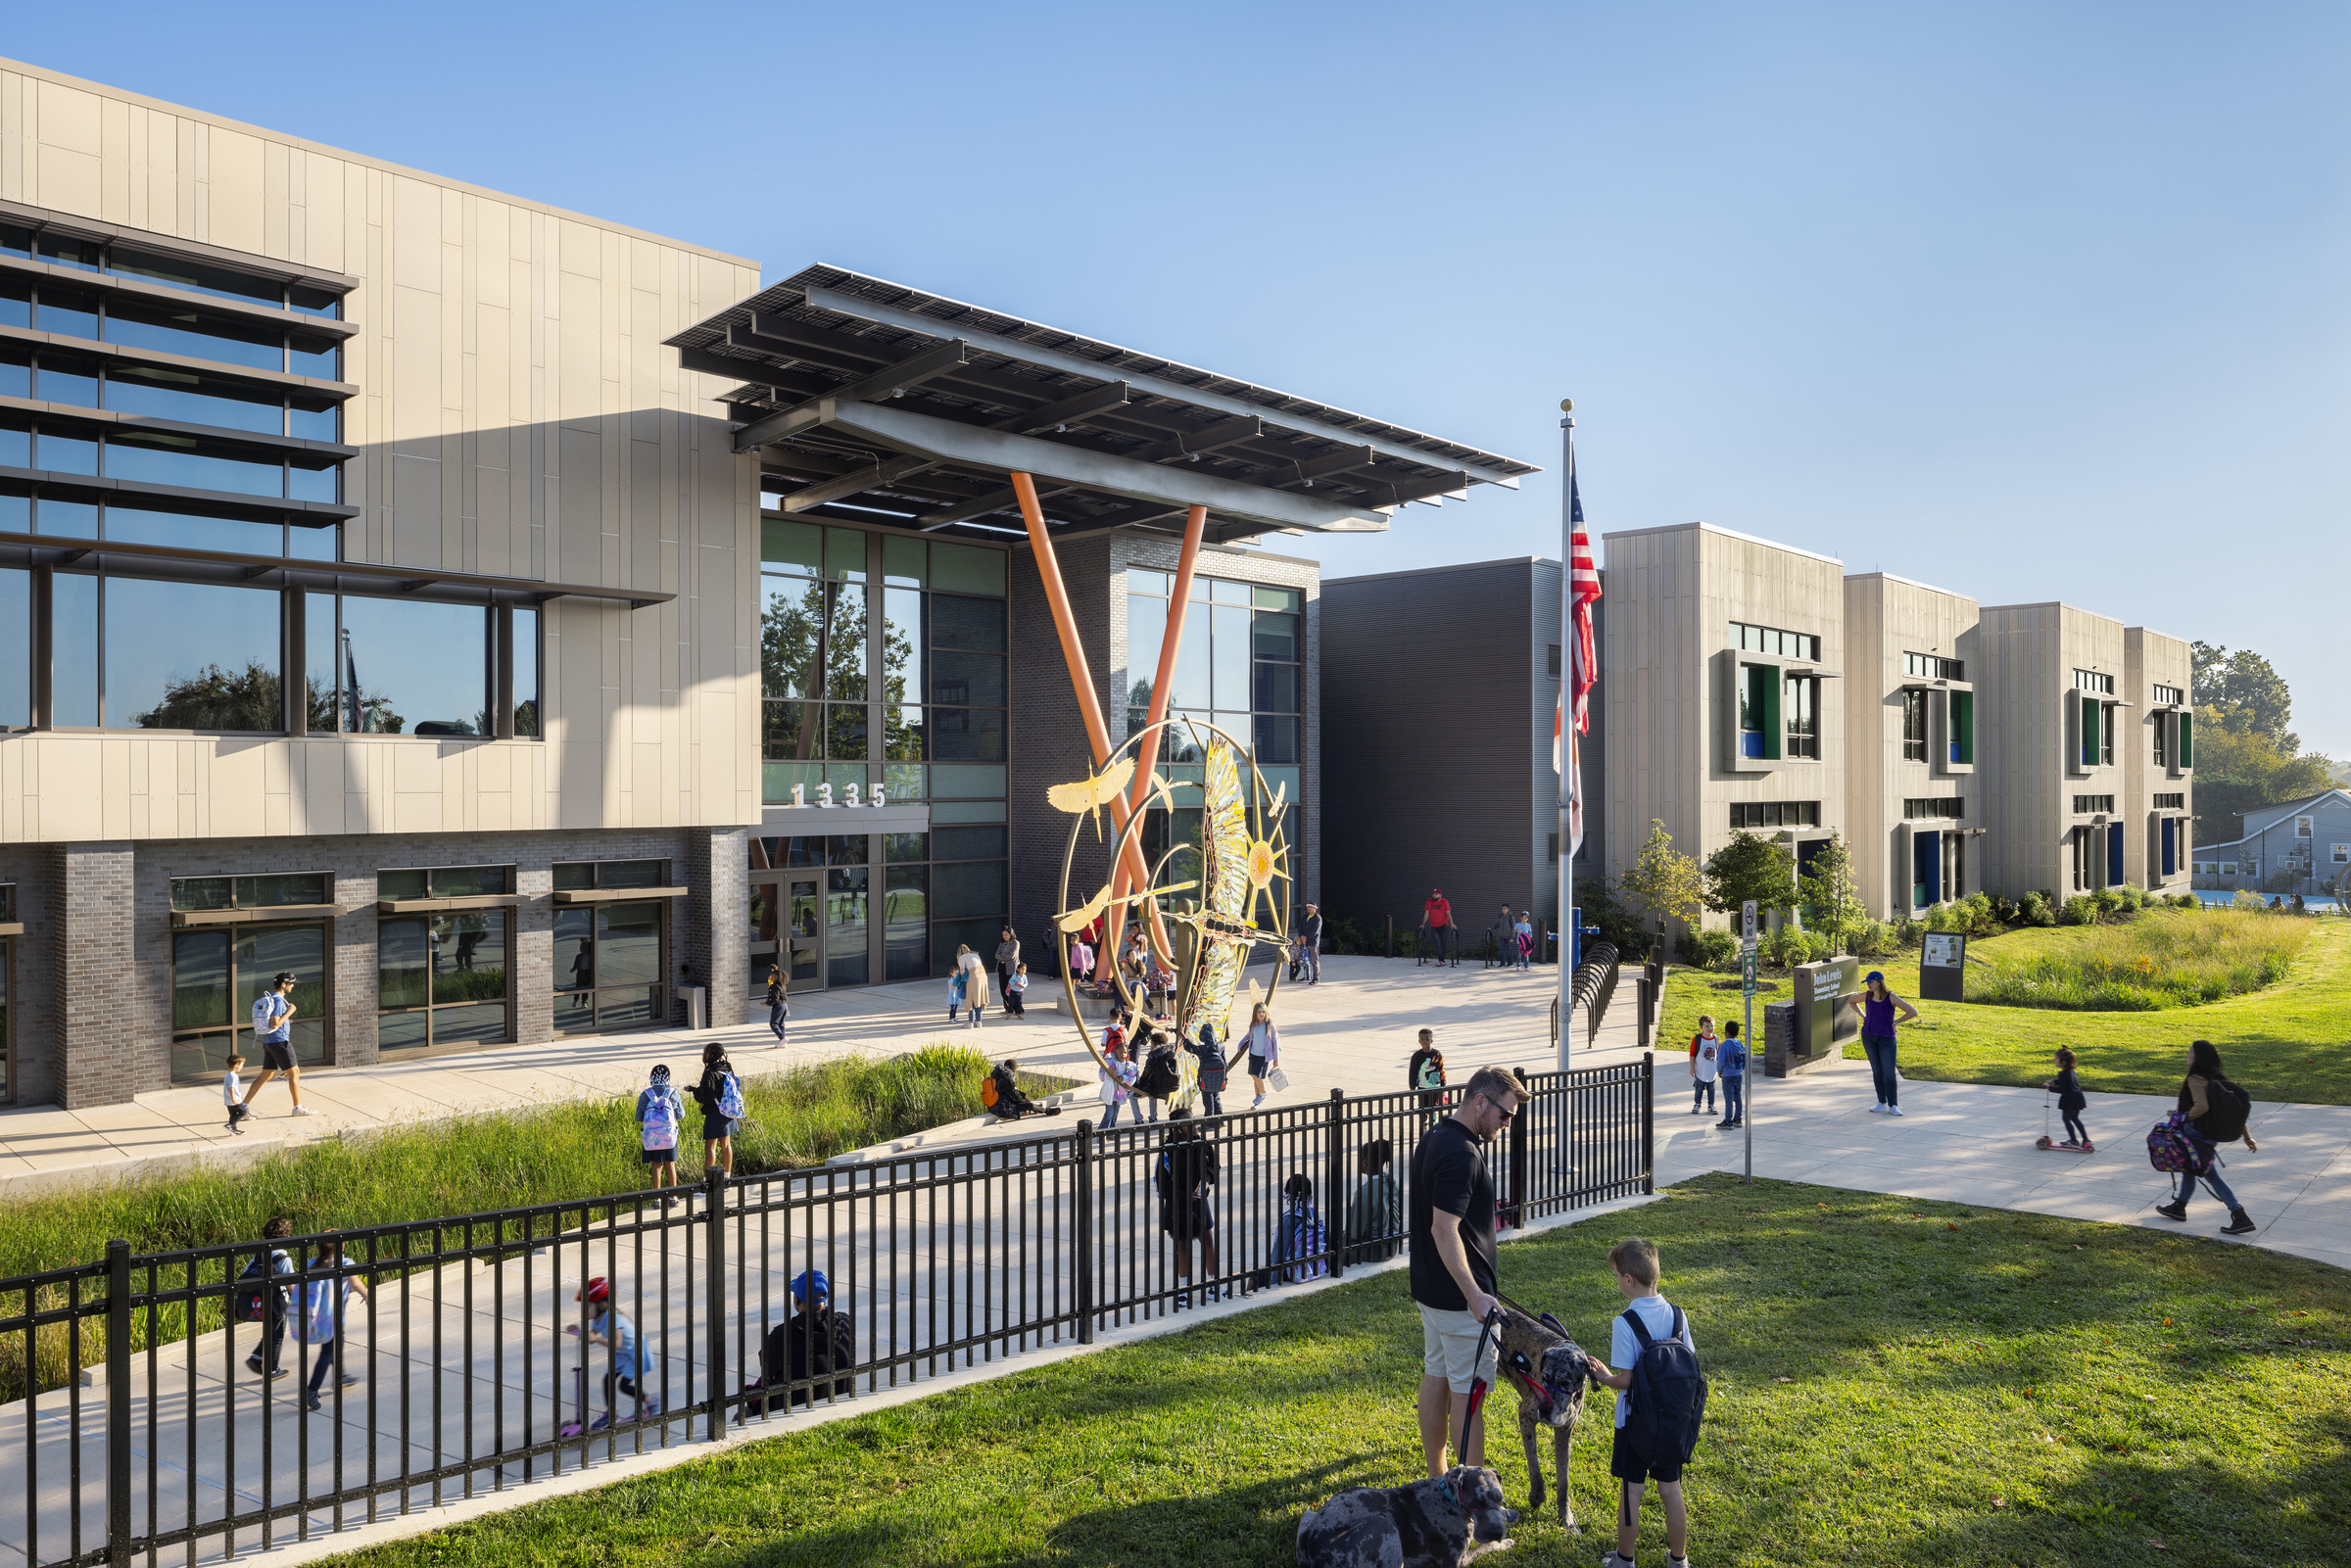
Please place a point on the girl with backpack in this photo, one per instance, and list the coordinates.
(660, 1112)
(1184, 1174)
(720, 1095)
(2214, 1111)
(324, 1319)
(1118, 1080)
(1211, 1058)
(778, 1009)
(1299, 1243)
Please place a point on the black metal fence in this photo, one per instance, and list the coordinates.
(466, 1355)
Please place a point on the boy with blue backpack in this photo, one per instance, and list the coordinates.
(660, 1112)
(1660, 1402)
(1734, 1077)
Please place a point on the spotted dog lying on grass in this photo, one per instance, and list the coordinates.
(1429, 1524)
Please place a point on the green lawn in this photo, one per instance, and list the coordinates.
(1894, 1381)
(2287, 1041)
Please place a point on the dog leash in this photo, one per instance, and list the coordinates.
(1477, 1385)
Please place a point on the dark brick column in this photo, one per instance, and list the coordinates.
(716, 940)
(97, 1053)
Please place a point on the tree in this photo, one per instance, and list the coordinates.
(214, 699)
(2241, 692)
(1832, 903)
(2237, 772)
(1749, 867)
(1663, 881)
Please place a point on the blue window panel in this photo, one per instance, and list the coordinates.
(187, 460)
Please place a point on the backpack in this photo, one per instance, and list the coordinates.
(1432, 1073)
(2172, 1146)
(1306, 1241)
(730, 1097)
(1159, 1077)
(988, 1095)
(660, 1122)
(1668, 1395)
(250, 1303)
(2226, 1109)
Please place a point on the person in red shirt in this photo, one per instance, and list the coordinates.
(1436, 915)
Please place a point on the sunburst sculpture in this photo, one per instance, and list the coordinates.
(1242, 888)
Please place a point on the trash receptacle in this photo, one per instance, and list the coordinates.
(698, 1006)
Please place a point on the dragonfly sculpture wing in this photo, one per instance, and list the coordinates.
(1227, 890)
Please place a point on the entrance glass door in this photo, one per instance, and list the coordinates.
(844, 925)
(787, 931)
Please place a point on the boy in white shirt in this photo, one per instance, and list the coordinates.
(232, 1095)
(1705, 1062)
(1635, 1262)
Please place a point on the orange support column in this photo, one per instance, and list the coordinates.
(1073, 653)
(1195, 526)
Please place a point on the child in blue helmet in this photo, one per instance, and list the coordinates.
(815, 1341)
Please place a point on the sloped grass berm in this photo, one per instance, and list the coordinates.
(1894, 1381)
(2289, 1041)
(507, 1160)
(2161, 958)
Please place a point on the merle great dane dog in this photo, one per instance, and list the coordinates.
(1549, 1373)
(1428, 1524)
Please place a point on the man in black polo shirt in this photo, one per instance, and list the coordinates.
(1453, 1261)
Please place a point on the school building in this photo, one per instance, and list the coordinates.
(514, 624)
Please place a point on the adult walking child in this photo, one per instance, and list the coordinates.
(975, 985)
(720, 1095)
(1185, 1175)
(1705, 1063)
(1734, 1077)
(1008, 958)
(273, 1026)
(1310, 943)
(660, 1112)
(1211, 1057)
(324, 1319)
(1453, 1263)
(777, 1010)
(1264, 1043)
(1647, 1319)
(2215, 1110)
(1118, 1073)
(955, 983)
(2071, 1101)
(1879, 1008)
(632, 1369)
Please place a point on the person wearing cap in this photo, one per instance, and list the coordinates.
(273, 1028)
(632, 1370)
(1879, 1011)
(1310, 941)
(814, 1341)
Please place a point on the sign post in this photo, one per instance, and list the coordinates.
(1746, 1030)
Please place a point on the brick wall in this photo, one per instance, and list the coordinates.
(714, 942)
(91, 914)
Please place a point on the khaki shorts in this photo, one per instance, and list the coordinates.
(1449, 1348)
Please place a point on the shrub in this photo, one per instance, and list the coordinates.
(1718, 950)
(2037, 909)
(1906, 932)
(1818, 949)
(2003, 909)
(1938, 918)
(1873, 938)
(2105, 901)
(2079, 910)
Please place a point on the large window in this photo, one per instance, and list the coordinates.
(1748, 814)
(1801, 703)
(1771, 640)
(2092, 681)
(191, 463)
(217, 525)
(8, 976)
(610, 948)
(400, 667)
(1933, 668)
(173, 329)
(168, 392)
(1759, 711)
(135, 654)
(1914, 725)
(127, 260)
(15, 648)
(1917, 809)
(441, 974)
(2092, 805)
(218, 971)
(1239, 665)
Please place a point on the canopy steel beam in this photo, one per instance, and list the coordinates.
(856, 480)
(887, 381)
(862, 310)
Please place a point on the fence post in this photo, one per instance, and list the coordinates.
(1649, 1123)
(1335, 1204)
(1391, 919)
(1083, 1228)
(714, 1184)
(1641, 1009)
(117, 1403)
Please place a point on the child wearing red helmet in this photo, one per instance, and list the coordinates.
(633, 1368)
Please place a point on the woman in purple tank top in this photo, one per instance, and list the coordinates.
(1879, 1011)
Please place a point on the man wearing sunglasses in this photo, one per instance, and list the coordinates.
(1452, 1260)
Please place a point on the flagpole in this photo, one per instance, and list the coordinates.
(1571, 923)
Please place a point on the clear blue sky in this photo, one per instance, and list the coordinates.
(2025, 300)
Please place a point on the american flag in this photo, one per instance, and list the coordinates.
(1583, 665)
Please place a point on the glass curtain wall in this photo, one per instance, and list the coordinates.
(610, 955)
(1241, 666)
(441, 974)
(8, 976)
(218, 971)
(884, 663)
